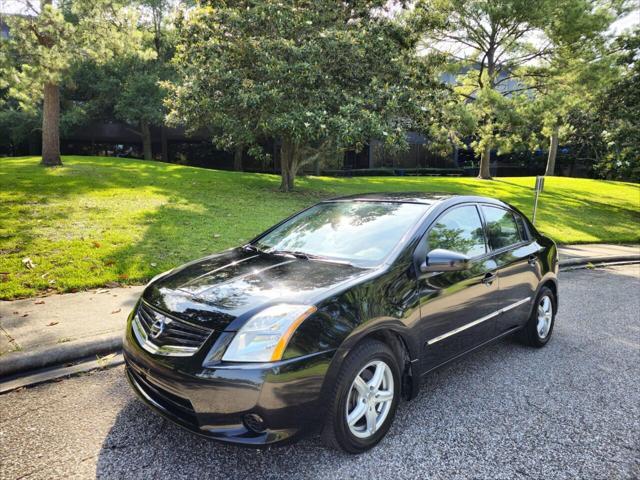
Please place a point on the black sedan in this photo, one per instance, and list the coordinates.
(325, 321)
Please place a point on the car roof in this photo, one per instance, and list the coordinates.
(426, 198)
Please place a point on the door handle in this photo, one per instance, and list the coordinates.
(532, 260)
(489, 278)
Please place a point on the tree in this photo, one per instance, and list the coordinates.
(316, 76)
(495, 45)
(569, 84)
(49, 40)
(126, 88)
(160, 26)
(18, 127)
(618, 112)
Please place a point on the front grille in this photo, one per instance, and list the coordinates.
(164, 335)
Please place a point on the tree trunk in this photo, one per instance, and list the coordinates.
(289, 160)
(237, 158)
(485, 163)
(51, 126)
(145, 132)
(553, 152)
(164, 145)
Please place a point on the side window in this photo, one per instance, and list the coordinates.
(459, 230)
(501, 227)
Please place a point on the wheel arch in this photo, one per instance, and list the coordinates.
(550, 282)
(397, 337)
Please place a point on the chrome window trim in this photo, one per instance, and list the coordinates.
(478, 321)
(149, 346)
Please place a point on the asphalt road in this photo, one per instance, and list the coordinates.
(569, 410)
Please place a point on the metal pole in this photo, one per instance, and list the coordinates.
(535, 206)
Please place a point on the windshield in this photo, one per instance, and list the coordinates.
(358, 232)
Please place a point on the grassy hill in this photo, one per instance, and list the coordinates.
(100, 220)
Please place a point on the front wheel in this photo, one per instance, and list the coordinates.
(365, 398)
(538, 329)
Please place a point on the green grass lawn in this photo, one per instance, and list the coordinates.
(101, 220)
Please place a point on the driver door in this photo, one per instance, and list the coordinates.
(457, 309)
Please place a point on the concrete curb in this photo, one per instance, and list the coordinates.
(17, 362)
(43, 375)
(574, 262)
(25, 362)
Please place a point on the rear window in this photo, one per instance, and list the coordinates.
(502, 229)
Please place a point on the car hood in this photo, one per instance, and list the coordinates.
(217, 289)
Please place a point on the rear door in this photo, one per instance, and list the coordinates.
(517, 263)
(457, 309)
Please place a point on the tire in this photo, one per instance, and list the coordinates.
(355, 378)
(535, 333)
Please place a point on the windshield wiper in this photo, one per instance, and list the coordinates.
(295, 253)
(309, 256)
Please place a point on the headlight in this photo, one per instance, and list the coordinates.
(265, 336)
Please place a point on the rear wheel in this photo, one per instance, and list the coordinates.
(365, 398)
(538, 329)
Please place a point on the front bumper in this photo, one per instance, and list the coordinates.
(215, 402)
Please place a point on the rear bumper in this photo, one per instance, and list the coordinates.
(215, 402)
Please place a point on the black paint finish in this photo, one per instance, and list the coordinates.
(394, 302)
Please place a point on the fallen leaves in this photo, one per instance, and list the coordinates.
(103, 362)
(39, 302)
(51, 324)
(28, 263)
(116, 311)
(112, 284)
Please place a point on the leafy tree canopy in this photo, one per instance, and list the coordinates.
(494, 47)
(312, 74)
(618, 113)
(47, 41)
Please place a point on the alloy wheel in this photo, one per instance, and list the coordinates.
(370, 399)
(545, 317)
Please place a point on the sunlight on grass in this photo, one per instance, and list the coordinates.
(100, 220)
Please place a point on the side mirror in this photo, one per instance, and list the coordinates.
(441, 260)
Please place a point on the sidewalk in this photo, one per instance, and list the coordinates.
(597, 252)
(39, 332)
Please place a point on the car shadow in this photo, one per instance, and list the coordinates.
(143, 444)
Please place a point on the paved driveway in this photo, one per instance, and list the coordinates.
(570, 410)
